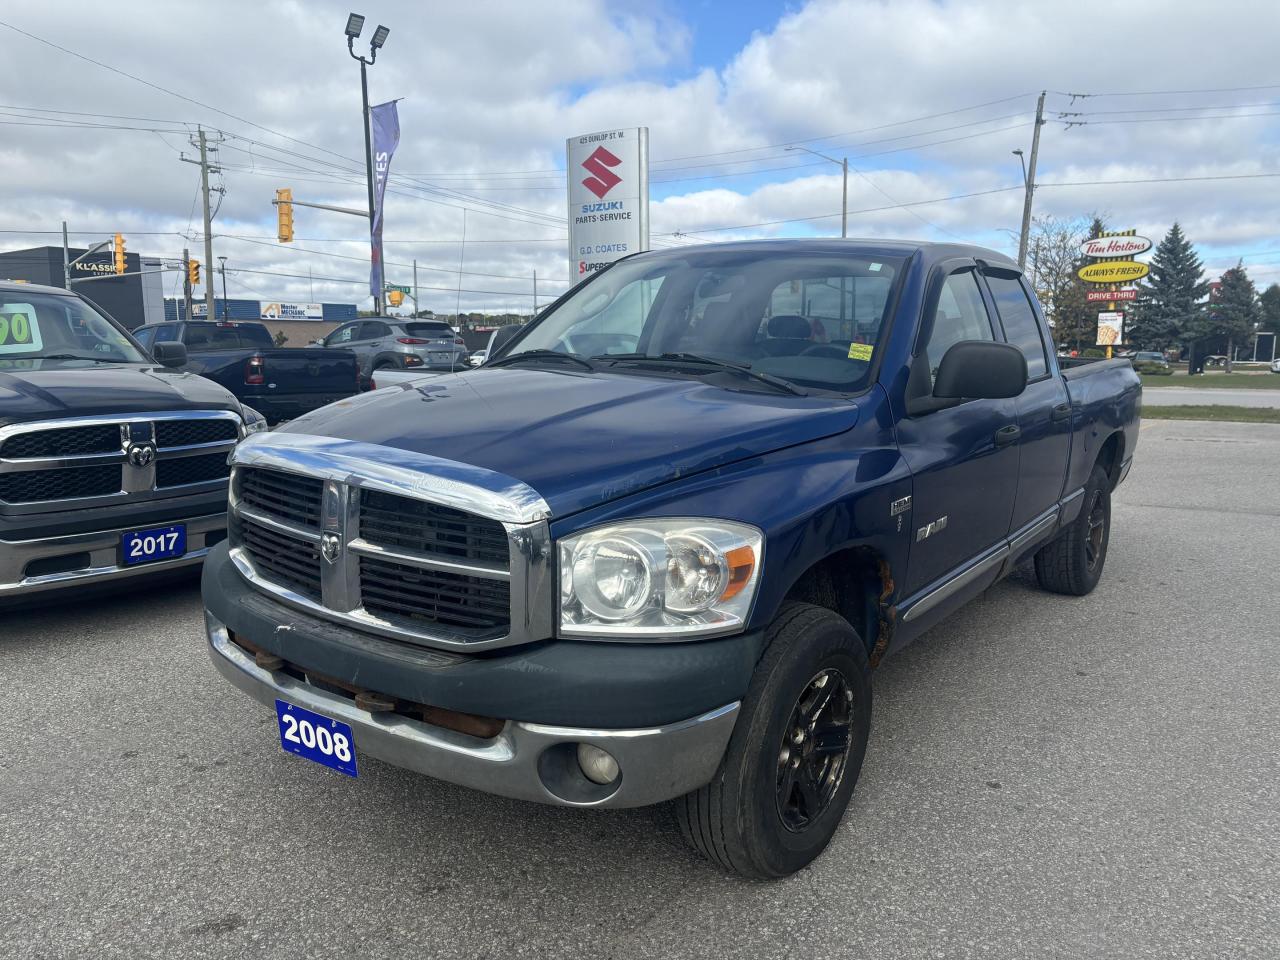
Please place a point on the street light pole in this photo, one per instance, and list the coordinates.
(843, 164)
(355, 24)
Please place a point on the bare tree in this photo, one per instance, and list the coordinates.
(1053, 256)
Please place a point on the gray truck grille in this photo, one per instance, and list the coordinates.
(122, 457)
(420, 570)
(39, 486)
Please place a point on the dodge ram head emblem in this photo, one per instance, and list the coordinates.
(140, 454)
(330, 547)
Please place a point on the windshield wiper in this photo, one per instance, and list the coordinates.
(541, 355)
(76, 356)
(740, 367)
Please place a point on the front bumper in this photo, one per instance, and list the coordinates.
(101, 549)
(527, 761)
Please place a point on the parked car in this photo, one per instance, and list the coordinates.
(654, 548)
(478, 356)
(280, 382)
(385, 342)
(1275, 365)
(113, 466)
(1150, 356)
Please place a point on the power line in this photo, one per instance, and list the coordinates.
(1166, 93)
(364, 281)
(1093, 183)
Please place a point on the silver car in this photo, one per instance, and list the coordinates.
(384, 342)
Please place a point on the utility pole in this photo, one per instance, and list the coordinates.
(844, 200)
(1029, 182)
(186, 281)
(66, 258)
(208, 219)
(226, 315)
(415, 288)
(535, 293)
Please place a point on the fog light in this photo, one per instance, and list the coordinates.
(597, 765)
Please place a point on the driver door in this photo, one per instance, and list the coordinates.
(963, 457)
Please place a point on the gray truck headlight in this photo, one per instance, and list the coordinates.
(254, 422)
(659, 579)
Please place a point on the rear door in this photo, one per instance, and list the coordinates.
(374, 340)
(1044, 410)
(346, 338)
(963, 457)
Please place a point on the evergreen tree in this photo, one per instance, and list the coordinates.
(1269, 303)
(1234, 313)
(1169, 307)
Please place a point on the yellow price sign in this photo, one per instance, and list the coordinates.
(860, 351)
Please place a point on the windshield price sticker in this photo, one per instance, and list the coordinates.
(860, 351)
(19, 329)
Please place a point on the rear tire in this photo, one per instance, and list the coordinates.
(795, 754)
(1072, 563)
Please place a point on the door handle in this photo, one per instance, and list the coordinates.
(1061, 412)
(376, 343)
(1008, 435)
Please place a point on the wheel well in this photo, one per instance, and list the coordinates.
(1109, 457)
(856, 584)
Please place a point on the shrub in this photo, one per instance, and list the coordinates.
(1094, 352)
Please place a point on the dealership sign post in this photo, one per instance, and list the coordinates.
(1113, 264)
(608, 176)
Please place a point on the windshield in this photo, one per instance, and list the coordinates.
(812, 320)
(39, 326)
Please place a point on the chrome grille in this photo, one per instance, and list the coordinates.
(389, 549)
(51, 464)
(181, 471)
(185, 433)
(97, 438)
(286, 496)
(286, 559)
(39, 486)
(429, 528)
(455, 600)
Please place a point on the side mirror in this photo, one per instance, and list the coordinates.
(316, 343)
(981, 370)
(170, 353)
(500, 337)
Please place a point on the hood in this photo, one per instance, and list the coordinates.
(49, 389)
(580, 439)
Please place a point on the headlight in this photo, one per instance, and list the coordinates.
(254, 422)
(659, 579)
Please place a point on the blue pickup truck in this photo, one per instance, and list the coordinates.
(655, 548)
(278, 382)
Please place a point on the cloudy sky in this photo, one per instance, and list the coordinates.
(926, 99)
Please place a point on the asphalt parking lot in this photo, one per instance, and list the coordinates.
(1047, 777)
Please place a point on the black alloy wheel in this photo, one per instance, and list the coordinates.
(814, 750)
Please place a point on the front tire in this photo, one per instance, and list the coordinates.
(795, 754)
(1072, 562)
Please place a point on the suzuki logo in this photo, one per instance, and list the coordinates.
(140, 454)
(603, 179)
(330, 547)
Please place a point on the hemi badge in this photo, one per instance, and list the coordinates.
(899, 506)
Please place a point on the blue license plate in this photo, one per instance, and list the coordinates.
(328, 742)
(155, 543)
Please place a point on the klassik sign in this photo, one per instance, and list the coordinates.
(608, 174)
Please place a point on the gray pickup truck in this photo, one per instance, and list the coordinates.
(113, 465)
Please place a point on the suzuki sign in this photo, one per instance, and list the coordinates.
(608, 176)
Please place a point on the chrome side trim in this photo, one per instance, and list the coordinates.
(1071, 505)
(657, 763)
(1037, 529)
(417, 475)
(949, 588)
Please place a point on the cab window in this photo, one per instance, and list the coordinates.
(960, 315)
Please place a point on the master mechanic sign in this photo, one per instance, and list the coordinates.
(608, 197)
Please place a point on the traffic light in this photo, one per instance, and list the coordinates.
(395, 298)
(193, 272)
(117, 247)
(284, 215)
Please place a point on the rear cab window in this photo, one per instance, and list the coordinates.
(226, 336)
(1021, 327)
